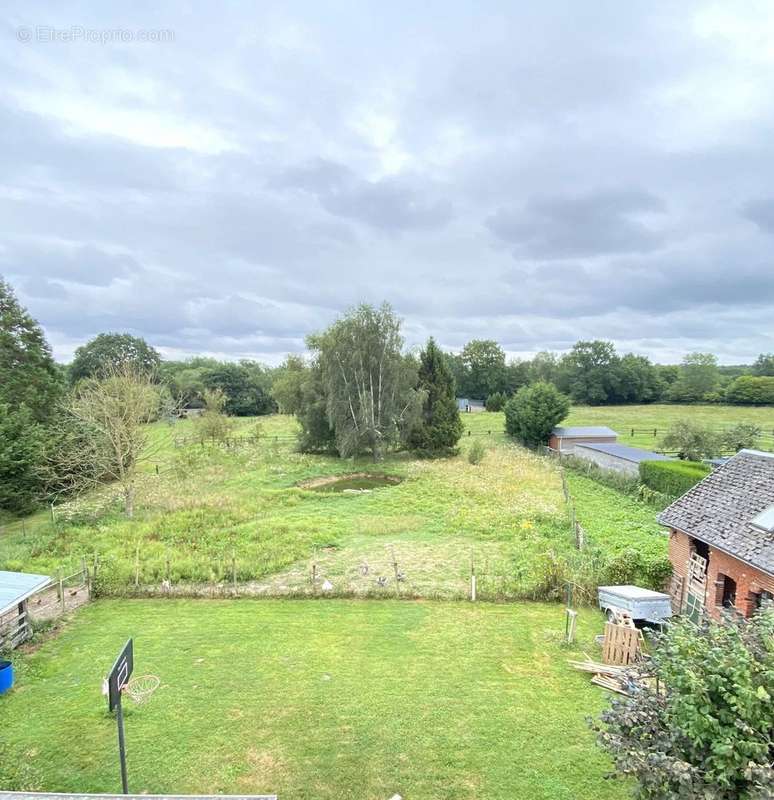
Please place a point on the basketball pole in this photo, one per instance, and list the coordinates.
(121, 744)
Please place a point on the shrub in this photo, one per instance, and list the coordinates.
(691, 441)
(476, 452)
(673, 478)
(707, 733)
(495, 402)
(740, 436)
(532, 413)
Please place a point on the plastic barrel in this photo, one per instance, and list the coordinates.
(6, 676)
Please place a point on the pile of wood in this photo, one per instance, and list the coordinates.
(620, 648)
(608, 676)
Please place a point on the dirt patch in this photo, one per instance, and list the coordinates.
(353, 482)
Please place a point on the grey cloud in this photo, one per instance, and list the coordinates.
(596, 223)
(534, 174)
(391, 204)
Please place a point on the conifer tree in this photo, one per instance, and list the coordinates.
(440, 426)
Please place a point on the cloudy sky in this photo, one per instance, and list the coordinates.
(228, 178)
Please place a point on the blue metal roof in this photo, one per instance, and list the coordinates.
(625, 452)
(18, 586)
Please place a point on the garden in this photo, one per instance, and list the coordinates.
(313, 699)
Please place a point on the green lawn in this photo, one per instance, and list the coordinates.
(312, 699)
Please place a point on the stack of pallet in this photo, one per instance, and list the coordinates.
(620, 649)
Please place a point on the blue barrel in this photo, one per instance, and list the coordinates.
(6, 676)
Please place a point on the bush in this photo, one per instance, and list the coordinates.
(476, 452)
(533, 412)
(495, 402)
(691, 441)
(707, 733)
(673, 478)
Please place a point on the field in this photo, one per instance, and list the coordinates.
(214, 517)
(646, 419)
(314, 699)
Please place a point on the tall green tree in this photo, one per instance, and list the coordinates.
(368, 383)
(764, 365)
(246, 386)
(28, 374)
(532, 413)
(484, 364)
(440, 426)
(287, 387)
(591, 370)
(21, 455)
(107, 352)
(699, 377)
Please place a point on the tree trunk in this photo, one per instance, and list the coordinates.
(129, 500)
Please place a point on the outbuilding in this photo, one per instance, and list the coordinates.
(721, 541)
(617, 457)
(15, 589)
(564, 440)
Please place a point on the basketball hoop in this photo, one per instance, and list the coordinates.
(142, 687)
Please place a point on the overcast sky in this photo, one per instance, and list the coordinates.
(534, 172)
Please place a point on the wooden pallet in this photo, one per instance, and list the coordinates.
(622, 644)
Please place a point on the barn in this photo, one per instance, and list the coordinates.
(721, 538)
(617, 457)
(564, 440)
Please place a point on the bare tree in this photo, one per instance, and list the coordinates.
(108, 441)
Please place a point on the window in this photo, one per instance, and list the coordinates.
(725, 591)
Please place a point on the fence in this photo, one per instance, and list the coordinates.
(232, 442)
(63, 594)
(650, 436)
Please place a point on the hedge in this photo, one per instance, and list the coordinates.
(672, 477)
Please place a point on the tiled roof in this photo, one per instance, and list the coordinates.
(579, 432)
(719, 510)
(624, 451)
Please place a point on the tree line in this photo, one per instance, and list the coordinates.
(64, 428)
(594, 373)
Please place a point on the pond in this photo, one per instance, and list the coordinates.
(359, 482)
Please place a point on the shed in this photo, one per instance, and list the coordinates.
(564, 439)
(15, 589)
(617, 457)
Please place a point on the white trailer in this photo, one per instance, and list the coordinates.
(642, 604)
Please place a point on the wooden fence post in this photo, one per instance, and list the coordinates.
(137, 566)
(234, 570)
(61, 592)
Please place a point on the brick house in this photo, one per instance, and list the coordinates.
(721, 540)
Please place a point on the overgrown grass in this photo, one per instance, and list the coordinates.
(212, 513)
(325, 700)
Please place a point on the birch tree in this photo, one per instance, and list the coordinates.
(369, 385)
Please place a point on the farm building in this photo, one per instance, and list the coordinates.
(563, 440)
(466, 404)
(15, 589)
(617, 457)
(721, 540)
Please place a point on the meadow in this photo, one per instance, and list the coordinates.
(314, 699)
(211, 518)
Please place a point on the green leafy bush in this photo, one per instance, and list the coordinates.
(495, 401)
(476, 452)
(532, 413)
(707, 734)
(672, 478)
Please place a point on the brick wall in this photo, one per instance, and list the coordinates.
(748, 579)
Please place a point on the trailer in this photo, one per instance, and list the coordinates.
(643, 605)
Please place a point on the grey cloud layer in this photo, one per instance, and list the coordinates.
(530, 174)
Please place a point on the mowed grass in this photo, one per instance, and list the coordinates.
(310, 699)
